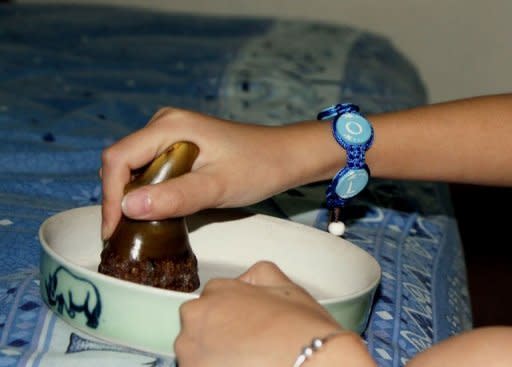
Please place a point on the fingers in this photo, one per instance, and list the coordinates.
(114, 177)
(128, 154)
(265, 273)
(180, 196)
(219, 176)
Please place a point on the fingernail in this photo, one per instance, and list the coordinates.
(136, 204)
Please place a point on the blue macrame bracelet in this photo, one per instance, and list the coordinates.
(355, 134)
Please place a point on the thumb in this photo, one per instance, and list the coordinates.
(177, 197)
(265, 273)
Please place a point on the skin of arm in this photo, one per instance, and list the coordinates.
(261, 319)
(484, 347)
(268, 321)
(465, 141)
(264, 319)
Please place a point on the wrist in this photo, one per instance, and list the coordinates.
(343, 348)
(313, 151)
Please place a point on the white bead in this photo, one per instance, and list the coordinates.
(317, 343)
(336, 228)
(307, 352)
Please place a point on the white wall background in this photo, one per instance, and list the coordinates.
(461, 47)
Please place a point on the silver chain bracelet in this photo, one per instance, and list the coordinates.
(315, 345)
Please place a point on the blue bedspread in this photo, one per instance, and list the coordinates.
(75, 79)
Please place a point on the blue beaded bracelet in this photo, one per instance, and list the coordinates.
(355, 134)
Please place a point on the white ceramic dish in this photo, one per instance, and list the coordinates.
(340, 275)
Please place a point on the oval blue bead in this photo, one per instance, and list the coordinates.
(353, 128)
(351, 183)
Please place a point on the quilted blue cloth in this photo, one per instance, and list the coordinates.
(75, 79)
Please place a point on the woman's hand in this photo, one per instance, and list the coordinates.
(260, 319)
(238, 164)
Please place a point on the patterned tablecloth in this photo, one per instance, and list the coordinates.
(75, 79)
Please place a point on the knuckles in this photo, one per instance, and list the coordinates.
(216, 284)
(170, 116)
(265, 265)
(110, 156)
(188, 310)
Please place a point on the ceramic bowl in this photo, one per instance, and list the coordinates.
(340, 275)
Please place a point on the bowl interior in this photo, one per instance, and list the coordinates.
(226, 243)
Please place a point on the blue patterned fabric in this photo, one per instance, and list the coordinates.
(75, 79)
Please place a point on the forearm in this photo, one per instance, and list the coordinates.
(485, 347)
(466, 141)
